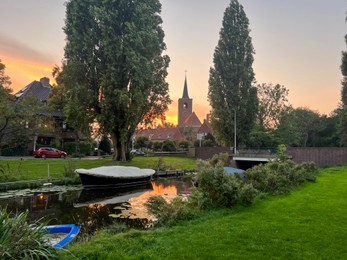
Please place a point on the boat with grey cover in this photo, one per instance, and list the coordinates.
(114, 176)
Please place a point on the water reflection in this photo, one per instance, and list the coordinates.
(93, 209)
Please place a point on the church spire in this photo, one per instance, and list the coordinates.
(185, 88)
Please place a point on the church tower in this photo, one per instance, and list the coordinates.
(185, 105)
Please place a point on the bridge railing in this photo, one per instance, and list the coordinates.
(257, 151)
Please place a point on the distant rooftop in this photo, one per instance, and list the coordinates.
(39, 89)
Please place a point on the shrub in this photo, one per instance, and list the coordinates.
(216, 188)
(69, 169)
(141, 142)
(105, 145)
(168, 146)
(168, 213)
(85, 148)
(280, 176)
(183, 145)
(70, 147)
(159, 165)
(208, 143)
(157, 146)
(196, 143)
(9, 174)
(12, 151)
(218, 160)
(18, 240)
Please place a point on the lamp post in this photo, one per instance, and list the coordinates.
(235, 131)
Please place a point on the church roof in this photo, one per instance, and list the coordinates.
(185, 89)
(161, 133)
(192, 120)
(205, 128)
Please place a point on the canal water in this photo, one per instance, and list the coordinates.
(92, 209)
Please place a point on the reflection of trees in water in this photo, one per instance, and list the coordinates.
(59, 207)
(92, 218)
(172, 186)
(138, 223)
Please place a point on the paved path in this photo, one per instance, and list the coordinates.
(33, 158)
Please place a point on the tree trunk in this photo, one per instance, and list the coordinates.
(115, 147)
(123, 152)
(77, 141)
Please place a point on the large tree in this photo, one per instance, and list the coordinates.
(299, 127)
(114, 69)
(230, 84)
(272, 103)
(343, 119)
(6, 103)
(15, 117)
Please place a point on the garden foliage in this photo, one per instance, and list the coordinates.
(168, 213)
(280, 176)
(218, 189)
(18, 240)
(84, 148)
(7, 173)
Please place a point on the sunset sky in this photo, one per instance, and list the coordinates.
(298, 44)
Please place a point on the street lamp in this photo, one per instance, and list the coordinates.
(235, 131)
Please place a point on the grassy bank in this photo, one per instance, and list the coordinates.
(308, 223)
(38, 168)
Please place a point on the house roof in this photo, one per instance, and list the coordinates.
(205, 128)
(36, 89)
(55, 113)
(192, 120)
(161, 133)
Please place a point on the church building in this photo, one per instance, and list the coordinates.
(188, 127)
(186, 116)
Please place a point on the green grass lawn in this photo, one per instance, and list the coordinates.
(308, 223)
(38, 168)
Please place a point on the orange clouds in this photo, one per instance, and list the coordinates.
(22, 72)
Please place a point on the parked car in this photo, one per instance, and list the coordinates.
(137, 152)
(45, 152)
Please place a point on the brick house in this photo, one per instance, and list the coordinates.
(50, 127)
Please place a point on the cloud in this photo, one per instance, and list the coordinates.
(16, 49)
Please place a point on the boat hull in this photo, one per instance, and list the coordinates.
(70, 230)
(92, 181)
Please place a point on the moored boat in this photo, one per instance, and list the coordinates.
(114, 176)
(110, 196)
(60, 235)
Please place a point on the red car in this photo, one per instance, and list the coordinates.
(45, 152)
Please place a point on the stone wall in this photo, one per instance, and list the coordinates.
(205, 153)
(321, 156)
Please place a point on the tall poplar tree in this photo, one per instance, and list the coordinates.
(114, 69)
(230, 83)
(343, 120)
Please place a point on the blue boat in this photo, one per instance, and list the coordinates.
(60, 235)
(232, 170)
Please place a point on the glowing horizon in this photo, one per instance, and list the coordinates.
(26, 72)
(298, 44)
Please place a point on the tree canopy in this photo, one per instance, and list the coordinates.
(6, 103)
(230, 82)
(114, 70)
(343, 119)
(272, 103)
